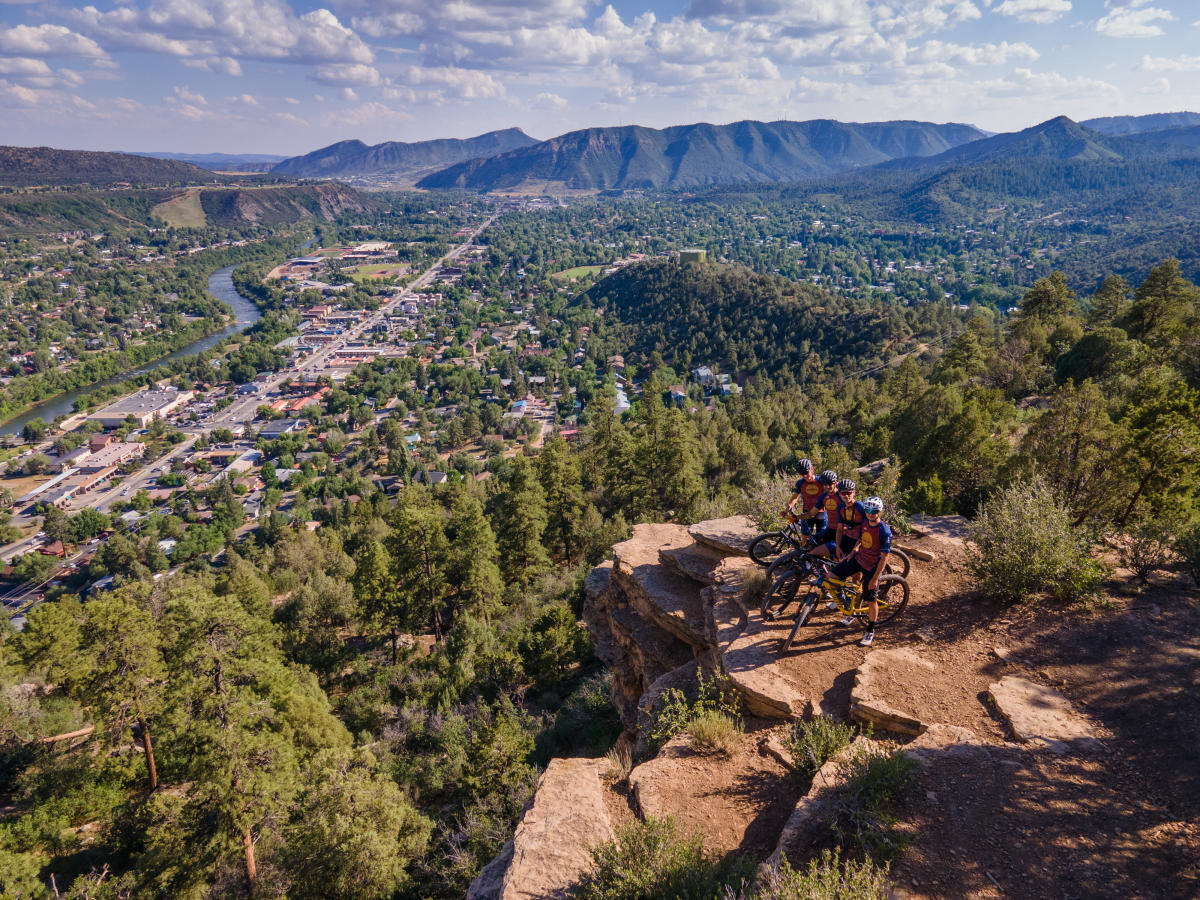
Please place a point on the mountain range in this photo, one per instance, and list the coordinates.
(222, 162)
(398, 159)
(688, 156)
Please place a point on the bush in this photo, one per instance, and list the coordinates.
(715, 732)
(715, 694)
(1147, 547)
(620, 760)
(813, 743)
(863, 820)
(826, 879)
(650, 860)
(1024, 544)
(1187, 545)
(764, 502)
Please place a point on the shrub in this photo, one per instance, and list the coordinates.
(863, 820)
(813, 743)
(652, 860)
(1024, 544)
(620, 760)
(1187, 545)
(715, 694)
(828, 878)
(715, 732)
(755, 587)
(1147, 547)
(764, 502)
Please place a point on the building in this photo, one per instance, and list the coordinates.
(111, 456)
(144, 407)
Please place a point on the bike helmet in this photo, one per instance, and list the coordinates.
(873, 505)
(846, 485)
(804, 466)
(828, 477)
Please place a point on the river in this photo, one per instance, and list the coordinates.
(220, 285)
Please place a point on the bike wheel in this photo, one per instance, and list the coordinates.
(893, 597)
(781, 593)
(784, 562)
(903, 564)
(766, 547)
(807, 606)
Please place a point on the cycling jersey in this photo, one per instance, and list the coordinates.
(873, 542)
(851, 517)
(810, 493)
(829, 503)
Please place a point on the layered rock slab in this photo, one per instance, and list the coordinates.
(870, 702)
(661, 595)
(1040, 715)
(730, 536)
(550, 847)
(749, 652)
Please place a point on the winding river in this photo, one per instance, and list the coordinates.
(220, 285)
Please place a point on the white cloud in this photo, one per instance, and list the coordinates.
(348, 75)
(1134, 22)
(238, 29)
(550, 101)
(49, 40)
(1040, 12)
(183, 94)
(23, 67)
(975, 55)
(222, 65)
(1170, 64)
(15, 95)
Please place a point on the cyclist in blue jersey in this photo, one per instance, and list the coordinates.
(809, 490)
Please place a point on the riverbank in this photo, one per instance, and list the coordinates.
(220, 285)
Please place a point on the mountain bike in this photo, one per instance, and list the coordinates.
(899, 563)
(768, 547)
(891, 595)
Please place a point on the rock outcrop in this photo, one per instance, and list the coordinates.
(549, 851)
(1040, 715)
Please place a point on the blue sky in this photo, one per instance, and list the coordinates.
(288, 76)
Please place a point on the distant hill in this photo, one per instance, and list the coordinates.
(222, 162)
(33, 213)
(34, 166)
(348, 158)
(685, 156)
(1138, 124)
(1059, 138)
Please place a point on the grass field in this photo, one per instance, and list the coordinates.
(183, 211)
(579, 272)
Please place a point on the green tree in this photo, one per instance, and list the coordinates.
(121, 670)
(1166, 305)
(419, 552)
(1163, 422)
(353, 834)
(563, 486)
(473, 557)
(520, 521)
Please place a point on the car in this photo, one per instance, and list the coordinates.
(40, 534)
(125, 493)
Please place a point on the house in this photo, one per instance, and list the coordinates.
(704, 377)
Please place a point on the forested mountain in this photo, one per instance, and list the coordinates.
(634, 157)
(32, 166)
(1056, 139)
(398, 158)
(282, 205)
(1140, 124)
(738, 320)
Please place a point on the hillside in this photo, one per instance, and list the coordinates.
(634, 157)
(737, 319)
(1056, 139)
(1115, 125)
(397, 158)
(50, 212)
(34, 166)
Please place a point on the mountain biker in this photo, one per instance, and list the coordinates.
(868, 558)
(850, 517)
(811, 491)
(824, 542)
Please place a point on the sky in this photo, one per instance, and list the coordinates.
(273, 76)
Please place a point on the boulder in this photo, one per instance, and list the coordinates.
(1040, 715)
(748, 654)
(550, 847)
(490, 881)
(731, 536)
(695, 561)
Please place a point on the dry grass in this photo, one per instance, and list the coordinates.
(715, 732)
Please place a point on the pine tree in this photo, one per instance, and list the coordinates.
(376, 592)
(419, 552)
(562, 484)
(520, 521)
(473, 567)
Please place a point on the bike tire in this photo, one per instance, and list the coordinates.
(893, 598)
(781, 593)
(905, 563)
(807, 606)
(766, 547)
(782, 563)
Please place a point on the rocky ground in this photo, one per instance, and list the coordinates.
(1059, 747)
